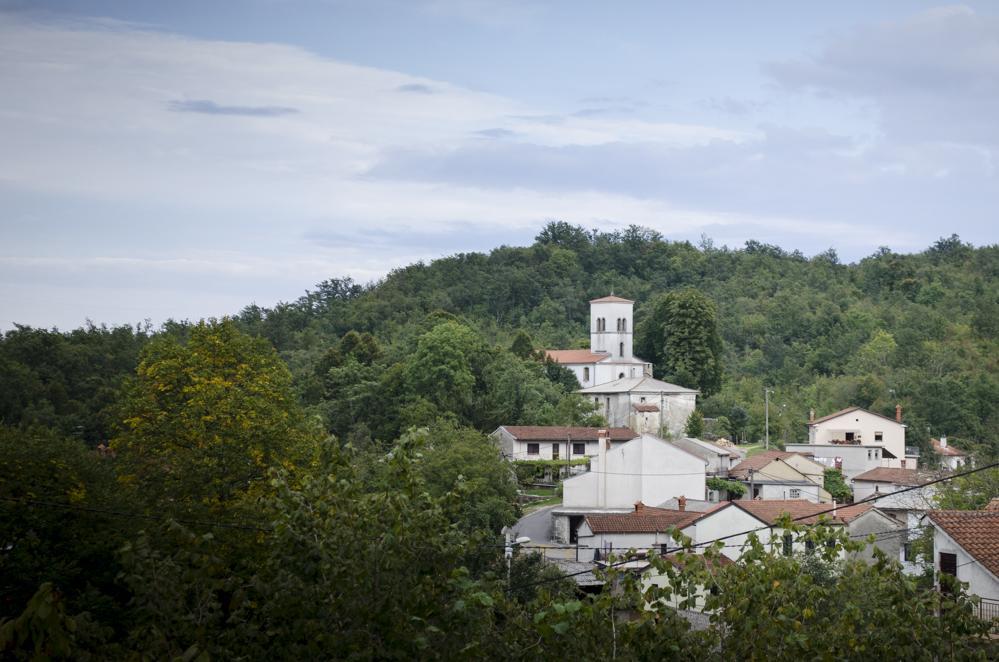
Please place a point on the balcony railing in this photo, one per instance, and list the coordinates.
(988, 609)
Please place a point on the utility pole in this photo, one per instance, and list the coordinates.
(766, 416)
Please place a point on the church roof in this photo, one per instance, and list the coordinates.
(611, 299)
(576, 356)
(637, 385)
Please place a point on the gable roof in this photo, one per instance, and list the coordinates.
(757, 462)
(706, 445)
(644, 519)
(801, 511)
(637, 384)
(907, 477)
(611, 299)
(946, 450)
(848, 410)
(575, 356)
(977, 531)
(563, 433)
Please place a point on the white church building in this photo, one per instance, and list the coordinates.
(621, 384)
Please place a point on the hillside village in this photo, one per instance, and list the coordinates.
(645, 484)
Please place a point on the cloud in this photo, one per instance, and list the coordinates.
(496, 132)
(933, 76)
(416, 88)
(211, 108)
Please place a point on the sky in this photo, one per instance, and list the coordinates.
(185, 159)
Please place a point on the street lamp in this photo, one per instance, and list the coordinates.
(766, 416)
(508, 552)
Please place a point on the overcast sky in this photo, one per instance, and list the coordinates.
(186, 158)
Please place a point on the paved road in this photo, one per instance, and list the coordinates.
(537, 526)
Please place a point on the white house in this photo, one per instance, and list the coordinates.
(644, 404)
(619, 383)
(720, 459)
(643, 528)
(858, 427)
(966, 546)
(779, 475)
(950, 457)
(554, 442)
(851, 460)
(647, 469)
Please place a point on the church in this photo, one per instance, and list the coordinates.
(621, 384)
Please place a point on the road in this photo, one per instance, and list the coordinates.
(536, 526)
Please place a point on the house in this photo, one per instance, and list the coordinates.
(950, 457)
(619, 383)
(855, 426)
(644, 528)
(851, 460)
(733, 521)
(552, 442)
(646, 469)
(781, 475)
(966, 546)
(720, 459)
(644, 403)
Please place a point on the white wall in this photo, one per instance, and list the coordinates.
(610, 339)
(855, 459)
(724, 522)
(922, 499)
(866, 425)
(980, 581)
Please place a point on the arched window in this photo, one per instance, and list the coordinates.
(624, 324)
(620, 350)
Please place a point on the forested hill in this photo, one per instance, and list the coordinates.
(917, 329)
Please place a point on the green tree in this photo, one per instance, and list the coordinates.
(680, 336)
(695, 425)
(202, 422)
(835, 485)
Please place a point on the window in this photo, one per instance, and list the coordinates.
(642, 399)
(877, 453)
(879, 436)
(788, 544)
(533, 449)
(903, 464)
(624, 325)
(870, 453)
(620, 350)
(809, 545)
(554, 451)
(578, 448)
(849, 436)
(620, 376)
(795, 493)
(586, 374)
(908, 553)
(948, 566)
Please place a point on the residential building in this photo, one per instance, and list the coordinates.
(950, 457)
(643, 528)
(619, 383)
(553, 442)
(855, 426)
(779, 475)
(647, 469)
(966, 546)
(720, 459)
(851, 460)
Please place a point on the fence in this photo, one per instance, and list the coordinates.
(988, 609)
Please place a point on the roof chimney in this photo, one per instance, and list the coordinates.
(811, 415)
(639, 505)
(681, 504)
(898, 413)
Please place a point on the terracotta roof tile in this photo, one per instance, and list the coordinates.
(908, 477)
(575, 355)
(562, 433)
(646, 407)
(801, 511)
(611, 299)
(645, 519)
(977, 531)
(756, 463)
(946, 450)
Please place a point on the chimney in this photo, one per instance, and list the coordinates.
(681, 504)
(943, 441)
(811, 415)
(639, 505)
(898, 413)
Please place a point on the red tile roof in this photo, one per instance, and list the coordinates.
(977, 531)
(575, 355)
(646, 407)
(645, 519)
(801, 511)
(611, 299)
(562, 433)
(908, 477)
(847, 411)
(946, 450)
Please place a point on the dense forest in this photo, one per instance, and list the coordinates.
(313, 480)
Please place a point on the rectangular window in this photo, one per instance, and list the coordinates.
(533, 449)
(849, 436)
(907, 552)
(554, 451)
(948, 566)
(788, 544)
(586, 374)
(578, 448)
(795, 493)
(620, 351)
(879, 436)
(869, 453)
(810, 545)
